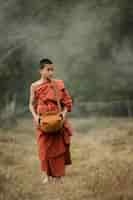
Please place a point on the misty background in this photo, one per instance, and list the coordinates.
(90, 43)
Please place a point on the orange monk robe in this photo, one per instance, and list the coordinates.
(53, 149)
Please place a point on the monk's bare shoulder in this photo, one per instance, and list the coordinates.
(35, 84)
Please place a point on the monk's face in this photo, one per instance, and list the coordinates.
(47, 71)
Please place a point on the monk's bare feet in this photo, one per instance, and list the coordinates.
(45, 178)
(57, 179)
(61, 180)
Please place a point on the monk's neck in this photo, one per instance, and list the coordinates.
(43, 80)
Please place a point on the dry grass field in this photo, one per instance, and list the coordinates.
(102, 162)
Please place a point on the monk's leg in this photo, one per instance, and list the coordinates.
(52, 166)
(57, 166)
(41, 141)
(53, 170)
(46, 172)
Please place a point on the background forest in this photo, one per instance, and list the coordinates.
(89, 41)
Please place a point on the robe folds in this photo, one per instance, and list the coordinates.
(53, 149)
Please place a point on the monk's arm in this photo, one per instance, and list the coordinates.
(32, 101)
(67, 101)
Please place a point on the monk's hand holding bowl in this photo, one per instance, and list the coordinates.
(63, 114)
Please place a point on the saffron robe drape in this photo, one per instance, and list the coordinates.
(53, 149)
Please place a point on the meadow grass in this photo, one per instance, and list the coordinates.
(101, 169)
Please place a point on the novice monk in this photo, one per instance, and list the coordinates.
(53, 149)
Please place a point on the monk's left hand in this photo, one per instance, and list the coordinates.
(63, 114)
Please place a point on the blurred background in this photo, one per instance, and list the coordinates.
(90, 43)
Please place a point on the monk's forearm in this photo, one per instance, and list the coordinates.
(64, 112)
(31, 108)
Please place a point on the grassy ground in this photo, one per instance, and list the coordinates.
(102, 166)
